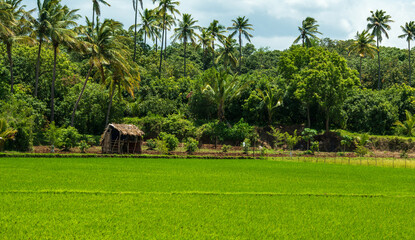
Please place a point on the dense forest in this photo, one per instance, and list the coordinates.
(167, 74)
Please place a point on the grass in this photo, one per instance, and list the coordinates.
(109, 198)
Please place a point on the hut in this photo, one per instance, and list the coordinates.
(122, 139)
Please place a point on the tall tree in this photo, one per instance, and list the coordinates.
(135, 7)
(222, 87)
(123, 76)
(241, 26)
(271, 98)
(363, 46)
(165, 7)
(186, 33)
(103, 46)
(61, 33)
(148, 25)
(205, 40)
(217, 31)
(18, 22)
(379, 24)
(42, 29)
(226, 52)
(409, 34)
(96, 9)
(308, 31)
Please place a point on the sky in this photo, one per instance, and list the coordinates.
(275, 22)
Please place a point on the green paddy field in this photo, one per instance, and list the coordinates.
(111, 198)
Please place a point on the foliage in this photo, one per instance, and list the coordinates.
(292, 140)
(315, 146)
(151, 144)
(278, 137)
(170, 140)
(406, 128)
(52, 134)
(83, 146)
(6, 133)
(162, 146)
(346, 142)
(226, 148)
(246, 144)
(308, 136)
(68, 138)
(191, 145)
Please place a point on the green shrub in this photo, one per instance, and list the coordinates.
(83, 146)
(191, 145)
(226, 148)
(68, 138)
(308, 136)
(151, 144)
(315, 147)
(361, 151)
(246, 144)
(278, 137)
(171, 141)
(161, 146)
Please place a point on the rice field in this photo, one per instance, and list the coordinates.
(113, 198)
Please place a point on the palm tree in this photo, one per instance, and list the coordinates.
(378, 23)
(104, 47)
(241, 26)
(186, 32)
(205, 40)
(271, 98)
(61, 34)
(6, 133)
(409, 34)
(96, 9)
(148, 24)
(407, 127)
(170, 22)
(42, 29)
(164, 7)
(18, 22)
(222, 88)
(363, 46)
(217, 31)
(308, 30)
(124, 77)
(226, 53)
(135, 7)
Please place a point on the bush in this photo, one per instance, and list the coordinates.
(246, 144)
(226, 148)
(191, 145)
(151, 144)
(315, 147)
(361, 151)
(68, 138)
(161, 146)
(171, 141)
(83, 146)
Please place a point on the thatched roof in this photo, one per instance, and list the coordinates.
(127, 129)
(124, 129)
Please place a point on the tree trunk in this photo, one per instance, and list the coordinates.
(165, 45)
(360, 72)
(308, 117)
(185, 44)
(93, 17)
(156, 43)
(240, 52)
(162, 40)
(213, 52)
(52, 89)
(379, 83)
(410, 69)
(80, 95)
(327, 120)
(135, 30)
(38, 67)
(109, 107)
(9, 54)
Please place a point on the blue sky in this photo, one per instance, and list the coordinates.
(275, 21)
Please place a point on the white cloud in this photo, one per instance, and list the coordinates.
(338, 19)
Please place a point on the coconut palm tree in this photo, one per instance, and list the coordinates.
(123, 76)
(165, 7)
(222, 88)
(217, 32)
(186, 33)
(42, 24)
(409, 34)
(61, 34)
(271, 98)
(135, 7)
(18, 22)
(379, 24)
(104, 47)
(6, 133)
(363, 46)
(226, 52)
(308, 31)
(205, 40)
(241, 26)
(147, 25)
(96, 9)
(407, 127)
